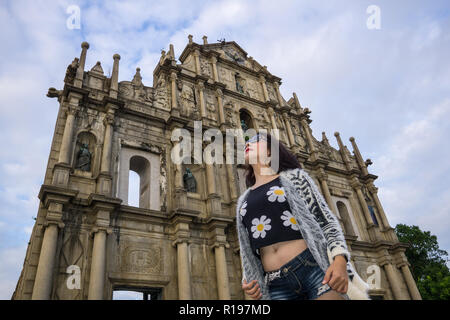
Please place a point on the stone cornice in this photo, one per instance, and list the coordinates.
(50, 193)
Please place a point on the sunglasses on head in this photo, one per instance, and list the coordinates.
(256, 138)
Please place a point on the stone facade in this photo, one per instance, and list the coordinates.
(88, 242)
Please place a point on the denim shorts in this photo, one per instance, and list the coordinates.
(299, 279)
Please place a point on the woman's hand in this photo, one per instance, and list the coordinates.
(252, 289)
(336, 275)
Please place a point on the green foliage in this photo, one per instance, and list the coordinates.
(428, 265)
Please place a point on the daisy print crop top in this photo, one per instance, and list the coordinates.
(267, 216)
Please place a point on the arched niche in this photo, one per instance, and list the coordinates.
(147, 166)
(345, 216)
(246, 116)
(86, 154)
(198, 172)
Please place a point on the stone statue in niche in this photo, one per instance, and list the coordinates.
(239, 84)
(190, 184)
(244, 126)
(84, 158)
(71, 71)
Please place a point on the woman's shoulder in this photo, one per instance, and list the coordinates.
(292, 173)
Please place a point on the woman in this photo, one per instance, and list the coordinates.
(286, 231)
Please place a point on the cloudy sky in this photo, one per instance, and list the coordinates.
(387, 87)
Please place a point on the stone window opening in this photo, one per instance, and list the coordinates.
(133, 293)
(143, 182)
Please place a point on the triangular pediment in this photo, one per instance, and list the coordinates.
(231, 51)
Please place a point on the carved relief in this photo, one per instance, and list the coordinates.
(189, 63)
(211, 107)
(298, 135)
(226, 77)
(230, 115)
(271, 92)
(161, 100)
(187, 98)
(253, 89)
(140, 258)
(126, 90)
(205, 67)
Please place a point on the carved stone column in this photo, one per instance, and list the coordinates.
(72, 109)
(214, 200)
(214, 68)
(114, 88)
(297, 103)
(107, 142)
(370, 224)
(287, 124)
(173, 79)
(184, 275)
(180, 200)
(323, 176)
(197, 61)
(309, 139)
(277, 90)
(78, 81)
(219, 96)
(98, 265)
(412, 287)
(44, 275)
(262, 80)
(271, 113)
(358, 156)
(104, 184)
(223, 287)
(342, 151)
(200, 88)
(386, 227)
(394, 281)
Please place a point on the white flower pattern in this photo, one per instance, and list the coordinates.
(243, 210)
(260, 226)
(289, 220)
(276, 193)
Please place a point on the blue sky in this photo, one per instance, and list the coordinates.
(388, 88)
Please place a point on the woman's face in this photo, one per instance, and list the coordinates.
(256, 152)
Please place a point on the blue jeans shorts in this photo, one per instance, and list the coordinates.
(299, 279)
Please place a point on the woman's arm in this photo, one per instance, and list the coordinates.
(327, 220)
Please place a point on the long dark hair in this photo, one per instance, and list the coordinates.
(287, 160)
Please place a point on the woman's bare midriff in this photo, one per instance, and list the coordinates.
(273, 257)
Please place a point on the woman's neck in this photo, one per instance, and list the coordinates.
(262, 173)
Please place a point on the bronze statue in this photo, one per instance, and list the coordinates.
(190, 184)
(84, 158)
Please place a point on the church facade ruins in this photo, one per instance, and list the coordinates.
(180, 242)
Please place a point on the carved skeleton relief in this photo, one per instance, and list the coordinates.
(187, 100)
(161, 101)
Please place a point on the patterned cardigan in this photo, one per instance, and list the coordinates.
(319, 227)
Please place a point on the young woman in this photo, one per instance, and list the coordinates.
(275, 246)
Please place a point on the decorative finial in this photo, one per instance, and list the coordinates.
(84, 44)
(116, 56)
(205, 39)
(190, 38)
(137, 79)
